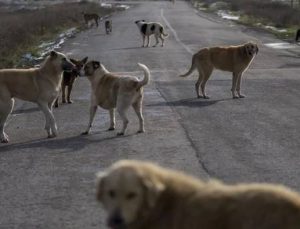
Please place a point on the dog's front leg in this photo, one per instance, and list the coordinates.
(234, 85)
(238, 89)
(143, 45)
(112, 119)
(93, 110)
(148, 41)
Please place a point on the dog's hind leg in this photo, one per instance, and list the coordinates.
(207, 70)
(238, 88)
(122, 107)
(137, 106)
(148, 42)
(93, 110)
(144, 37)
(69, 93)
(50, 125)
(162, 40)
(5, 109)
(63, 93)
(156, 39)
(112, 119)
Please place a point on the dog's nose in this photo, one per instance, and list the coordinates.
(115, 221)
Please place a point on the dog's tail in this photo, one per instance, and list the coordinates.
(146, 79)
(162, 31)
(192, 68)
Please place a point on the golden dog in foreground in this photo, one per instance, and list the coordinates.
(141, 195)
(235, 59)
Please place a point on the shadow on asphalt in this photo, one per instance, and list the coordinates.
(139, 47)
(194, 102)
(29, 110)
(69, 144)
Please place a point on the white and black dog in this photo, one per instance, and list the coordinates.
(149, 28)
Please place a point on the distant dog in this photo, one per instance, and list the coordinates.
(151, 28)
(90, 17)
(235, 59)
(297, 35)
(38, 85)
(69, 78)
(108, 26)
(111, 91)
(141, 195)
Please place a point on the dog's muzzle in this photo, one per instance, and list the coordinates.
(116, 221)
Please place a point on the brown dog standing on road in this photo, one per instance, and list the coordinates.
(69, 78)
(38, 85)
(235, 59)
(111, 91)
(141, 195)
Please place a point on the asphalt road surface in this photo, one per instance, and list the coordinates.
(51, 183)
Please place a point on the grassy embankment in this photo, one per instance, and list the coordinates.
(22, 31)
(277, 17)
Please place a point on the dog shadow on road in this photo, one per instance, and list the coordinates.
(194, 102)
(63, 145)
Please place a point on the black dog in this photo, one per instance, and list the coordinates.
(108, 26)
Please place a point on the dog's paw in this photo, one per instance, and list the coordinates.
(235, 97)
(51, 135)
(206, 97)
(140, 131)
(242, 96)
(120, 134)
(56, 105)
(4, 140)
(70, 101)
(111, 128)
(85, 133)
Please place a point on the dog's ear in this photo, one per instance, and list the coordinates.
(53, 54)
(84, 60)
(73, 61)
(153, 190)
(96, 64)
(100, 185)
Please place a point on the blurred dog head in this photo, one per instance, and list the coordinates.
(126, 190)
(251, 48)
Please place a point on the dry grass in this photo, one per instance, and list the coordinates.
(22, 30)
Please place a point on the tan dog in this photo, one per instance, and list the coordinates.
(235, 59)
(38, 85)
(111, 91)
(140, 195)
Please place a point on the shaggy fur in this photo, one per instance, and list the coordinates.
(151, 28)
(235, 59)
(38, 85)
(111, 91)
(69, 78)
(141, 195)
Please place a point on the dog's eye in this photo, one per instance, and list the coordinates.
(131, 196)
(111, 194)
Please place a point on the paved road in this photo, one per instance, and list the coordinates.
(50, 183)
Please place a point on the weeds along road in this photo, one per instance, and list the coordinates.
(50, 183)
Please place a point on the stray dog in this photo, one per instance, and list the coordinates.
(297, 35)
(108, 26)
(149, 28)
(69, 78)
(38, 85)
(90, 17)
(141, 195)
(111, 91)
(235, 59)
